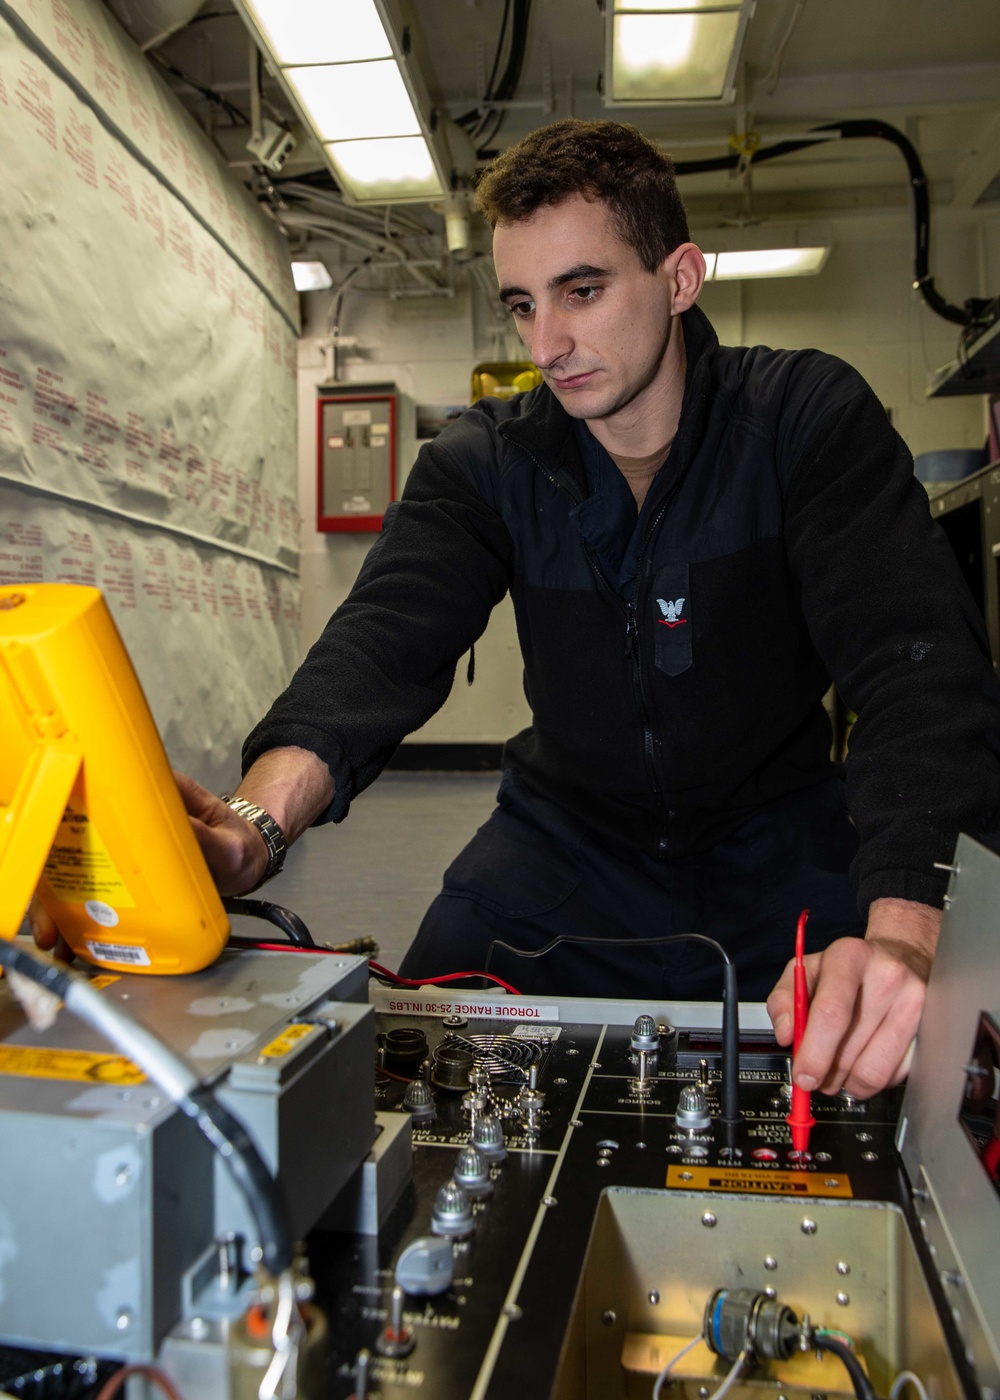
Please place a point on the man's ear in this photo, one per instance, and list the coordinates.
(686, 267)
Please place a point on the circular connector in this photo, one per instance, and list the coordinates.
(739, 1320)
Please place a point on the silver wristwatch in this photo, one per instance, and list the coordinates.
(273, 836)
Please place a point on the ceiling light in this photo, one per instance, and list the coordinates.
(323, 31)
(380, 171)
(353, 101)
(349, 77)
(769, 262)
(311, 276)
(658, 53)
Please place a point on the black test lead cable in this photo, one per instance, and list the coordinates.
(730, 1116)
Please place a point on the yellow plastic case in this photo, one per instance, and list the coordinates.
(89, 808)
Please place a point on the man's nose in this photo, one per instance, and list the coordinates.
(550, 339)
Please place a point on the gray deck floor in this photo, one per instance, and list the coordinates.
(376, 873)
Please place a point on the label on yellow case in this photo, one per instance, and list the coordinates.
(35, 1062)
(80, 867)
(759, 1182)
(287, 1040)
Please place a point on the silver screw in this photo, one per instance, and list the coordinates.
(653, 1296)
(709, 1220)
(869, 1156)
(843, 1267)
(703, 1392)
(809, 1227)
(864, 1137)
(771, 1293)
(198, 1328)
(953, 1277)
(512, 1311)
(549, 1201)
(770, 1263)
(609, 1318)
(124, 1320)
(122, 1174)
(843, 1299)
(832, 1182)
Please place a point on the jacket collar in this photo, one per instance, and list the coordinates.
(545, 430)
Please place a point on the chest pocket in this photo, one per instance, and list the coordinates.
(672, 626)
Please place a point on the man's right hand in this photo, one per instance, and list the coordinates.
(233, 848)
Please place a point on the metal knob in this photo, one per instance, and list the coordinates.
(692, 1109)
(419, 1100)
(452, 1212)
(645, 1036)
(473, 1174)
(487, 1138)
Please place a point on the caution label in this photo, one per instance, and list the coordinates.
(758, 1182)
(83, 1066)
(80, 866)
(287, 1040)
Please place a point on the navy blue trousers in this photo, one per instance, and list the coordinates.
(534, 871)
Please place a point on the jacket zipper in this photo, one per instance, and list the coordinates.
(632, 650)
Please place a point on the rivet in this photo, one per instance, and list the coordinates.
(709, 1220)
(512, 1311)
(703, 1392)
(832, 1182)
(771, 1293)
(653, 1296)
(686, 1176)
(809, 1227)
(549, 1201)
(869, 1156)
(770, 1263)
(609, 1318)
(843, 1299)
(124, 1320)
(864, 1137)
(843, 1267)
(122, 1174)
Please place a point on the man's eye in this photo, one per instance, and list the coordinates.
(521, 309)
(585, 293)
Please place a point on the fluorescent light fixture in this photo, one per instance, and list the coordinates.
(379, 171)
(323, 31)
(343, 66)
(658, 53)
(355, 101)
(311, 276)
(768, 262)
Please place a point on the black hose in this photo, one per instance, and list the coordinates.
(288, 922)
(865, 129)
(863, 1388)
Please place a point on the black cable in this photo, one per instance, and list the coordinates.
(237, 117)
(863, 1388)
(475, 113)
(250, 1172)
(730, 1105)
(289, 922)
(864, 129)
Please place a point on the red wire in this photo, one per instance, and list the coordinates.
(434, 981)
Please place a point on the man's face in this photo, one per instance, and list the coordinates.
(594, 321)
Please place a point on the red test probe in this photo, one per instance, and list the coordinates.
(800, 1120)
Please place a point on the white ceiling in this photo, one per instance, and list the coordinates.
(930, 68)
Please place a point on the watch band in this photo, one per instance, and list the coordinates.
(271, 832)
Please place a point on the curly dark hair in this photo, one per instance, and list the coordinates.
(602, 160)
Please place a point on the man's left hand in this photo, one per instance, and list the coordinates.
(866, 996)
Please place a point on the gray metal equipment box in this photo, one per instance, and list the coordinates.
(110, 1197)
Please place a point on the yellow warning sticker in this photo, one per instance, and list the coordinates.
(80, 866)
(84, 1066)
(287, 1040)
(104, 979)
(759, 1181)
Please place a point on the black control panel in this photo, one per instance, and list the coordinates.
(610, 1116)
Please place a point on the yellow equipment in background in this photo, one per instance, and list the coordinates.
(502, 379)
(89, 809)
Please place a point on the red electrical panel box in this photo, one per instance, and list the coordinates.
(356, 459)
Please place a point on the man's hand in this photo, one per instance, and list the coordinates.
(233, 848)
(866, 997)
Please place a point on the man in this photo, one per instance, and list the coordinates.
(695, 539)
